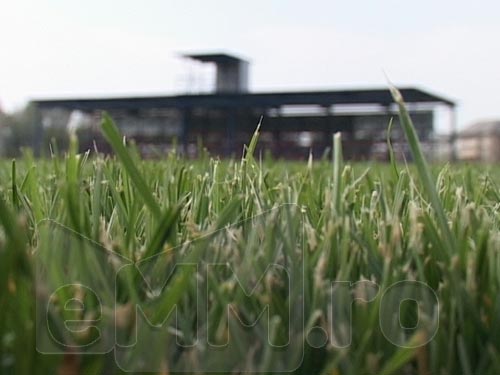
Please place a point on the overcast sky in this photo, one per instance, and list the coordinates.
(63, 48)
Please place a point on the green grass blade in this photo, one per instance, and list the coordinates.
(166, 227)
(249, 155)
(403, 355)
(424, 170)
(113, 136)
(15, 193)
(392, 157)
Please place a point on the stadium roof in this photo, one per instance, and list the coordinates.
(246, 100)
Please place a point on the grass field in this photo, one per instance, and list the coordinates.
(117, 264)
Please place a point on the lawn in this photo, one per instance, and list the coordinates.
(118, 264)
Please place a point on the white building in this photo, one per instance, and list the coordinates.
(480, 142)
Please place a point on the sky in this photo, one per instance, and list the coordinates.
(64, 48)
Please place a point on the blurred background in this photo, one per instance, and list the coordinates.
(98, 49)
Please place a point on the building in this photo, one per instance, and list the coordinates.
(480, 142)
(293, 123)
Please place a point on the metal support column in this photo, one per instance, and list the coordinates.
(230, 133)
(186, 118)
(453, 135)
(38, 132)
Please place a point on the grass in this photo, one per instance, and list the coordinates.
(332, 249)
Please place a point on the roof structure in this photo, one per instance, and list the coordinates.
(247, 100)
(218, 58)
(297, 122)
